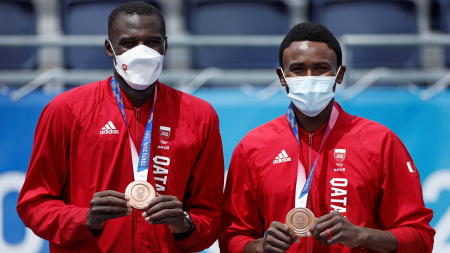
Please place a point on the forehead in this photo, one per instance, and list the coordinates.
(308, 52)
(134, 24)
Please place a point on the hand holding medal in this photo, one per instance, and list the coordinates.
(106, 205)
(161, 209)
(300, 219)
(277, 238)
(139, 192)
(164, 209)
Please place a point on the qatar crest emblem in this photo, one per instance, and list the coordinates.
(164, 132)
(339, 154)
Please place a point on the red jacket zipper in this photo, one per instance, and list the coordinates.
(310, 142)
(138, 115)
(133, 231)
(134, 228)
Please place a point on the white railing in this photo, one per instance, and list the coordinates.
(360, 78)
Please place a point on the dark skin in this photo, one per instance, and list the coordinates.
(308, 58)
(279, 238)
(128, 32)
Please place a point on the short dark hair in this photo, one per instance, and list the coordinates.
(311, 32)
(135, 7)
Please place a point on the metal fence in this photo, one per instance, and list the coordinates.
(190, 79)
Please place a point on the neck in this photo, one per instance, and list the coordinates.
(311, 124)
(137, 97)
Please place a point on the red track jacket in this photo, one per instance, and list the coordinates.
(364, 171)
(74, 157)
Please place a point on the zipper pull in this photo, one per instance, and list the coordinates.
(310, 140)
(138, 109)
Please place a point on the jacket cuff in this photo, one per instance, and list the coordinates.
(408, 240)
(84, 228)
(238, 243)
(75, 228)
(199, 239)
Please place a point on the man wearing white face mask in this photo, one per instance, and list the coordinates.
(318, 179)
(126, 164)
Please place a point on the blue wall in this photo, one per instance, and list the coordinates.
(422, 125)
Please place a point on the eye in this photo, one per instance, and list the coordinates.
(322, 68)
(296, 68)
(153, 43)
(128, 44)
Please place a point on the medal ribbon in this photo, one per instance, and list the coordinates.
(141, 161)
(302, 195)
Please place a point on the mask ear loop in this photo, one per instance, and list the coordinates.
(335, 82)
(337, 73)
(112, 48)
(286, 88)
(282, 72)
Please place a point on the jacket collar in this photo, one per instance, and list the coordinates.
(126, 101)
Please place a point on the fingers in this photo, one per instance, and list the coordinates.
(292, 234)
(162, 202)
(161, 198)
(106, 205)
(272, 249)
(285, 229)
(109, 201)
(331, 235)
(164, 216)
(331, 228)
(169, 220)
(321, 226)
(165, 209)
(111, 216)
(99, 210)
(277, 243)
(111, 193)
(109, 205)
(326, 217)
(279, 237)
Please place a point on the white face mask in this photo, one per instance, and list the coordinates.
(311, 94)
(139, 66)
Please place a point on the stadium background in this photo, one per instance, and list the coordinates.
(225, 51)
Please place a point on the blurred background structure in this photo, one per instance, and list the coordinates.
(225, 51)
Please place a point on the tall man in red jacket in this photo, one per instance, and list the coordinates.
(319, 179)
(127, 132)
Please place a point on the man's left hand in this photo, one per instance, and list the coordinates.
(335, 228)
(166, 209)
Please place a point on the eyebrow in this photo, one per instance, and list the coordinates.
(158, 37)
(151, 37)
(294, 64)
(322, 63)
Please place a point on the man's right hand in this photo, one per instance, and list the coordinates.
(279, 237)
(106, 205)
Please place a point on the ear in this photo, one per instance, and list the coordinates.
(166, 45)
(340, 74)
(280, 75)
(108, 49)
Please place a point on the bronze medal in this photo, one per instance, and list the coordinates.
(140, 193)
(300, 220)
